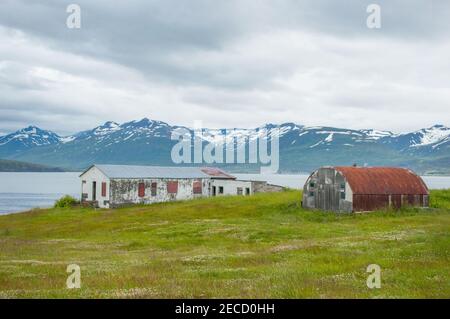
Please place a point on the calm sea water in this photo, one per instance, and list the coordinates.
(23, 191)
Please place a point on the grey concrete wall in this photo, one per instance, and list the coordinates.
(263, 187)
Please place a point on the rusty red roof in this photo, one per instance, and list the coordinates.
(383, 180)
(216, 173)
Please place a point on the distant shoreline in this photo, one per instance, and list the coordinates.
(60, 170)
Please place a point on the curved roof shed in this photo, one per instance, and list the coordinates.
(383, 180)
(349, 189)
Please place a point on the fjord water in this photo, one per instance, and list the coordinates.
(24, 191)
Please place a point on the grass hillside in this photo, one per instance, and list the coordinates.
(248, 247)
(16, 166)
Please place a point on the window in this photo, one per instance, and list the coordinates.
(154, 188)
(103, 189)
(239, 190)
(311, 194)
(342, 185)
(197, 186)
(141, 190)
(247, 191)
(220, 189)
(172, 187)
(342, 195)
(312, 184)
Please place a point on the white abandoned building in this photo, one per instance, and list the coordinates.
(109, 186)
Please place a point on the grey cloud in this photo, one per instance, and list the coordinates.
(232, 63)
(147, 35)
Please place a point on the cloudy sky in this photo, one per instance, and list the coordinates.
(233, 63)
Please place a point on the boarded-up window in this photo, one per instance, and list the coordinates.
(141, 190)
(172, 187)
(239, 190)
(197, 187)
(154, 188)
(104, 189)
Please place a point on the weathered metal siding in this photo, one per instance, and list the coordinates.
(323, 190)
(383, 180)
(126, 191)
(381, 187)
(363, 202)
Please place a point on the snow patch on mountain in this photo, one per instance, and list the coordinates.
(329, 138)
(432, 135)
(376, 134)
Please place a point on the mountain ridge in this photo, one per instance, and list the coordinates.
(302, 148)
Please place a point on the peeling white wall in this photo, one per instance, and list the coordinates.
(230, 186)
(126, 191)
(87, 179)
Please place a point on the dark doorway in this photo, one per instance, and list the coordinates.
(94, 191)
(214, 190)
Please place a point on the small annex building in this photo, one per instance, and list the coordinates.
(109, 186)
(356, 189)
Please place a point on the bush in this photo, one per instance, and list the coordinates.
(66, 201)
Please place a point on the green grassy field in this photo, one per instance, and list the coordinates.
(248, 247)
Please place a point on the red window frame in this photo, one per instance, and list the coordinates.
(172, 187)
(103, 189)
(141, 189)
(197, 187)
(154, 188)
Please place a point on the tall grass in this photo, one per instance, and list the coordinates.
(262, 246)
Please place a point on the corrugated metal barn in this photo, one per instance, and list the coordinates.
(354, 189)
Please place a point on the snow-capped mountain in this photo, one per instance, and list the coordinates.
(26, 138)
(428, 140)
(302, 148)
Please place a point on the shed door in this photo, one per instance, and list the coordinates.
(329, 198)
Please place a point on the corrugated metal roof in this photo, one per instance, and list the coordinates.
(138, 171)
(383, 180)
(216, 173)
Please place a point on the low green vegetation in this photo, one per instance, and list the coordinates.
(66, 201)
(249, 247)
